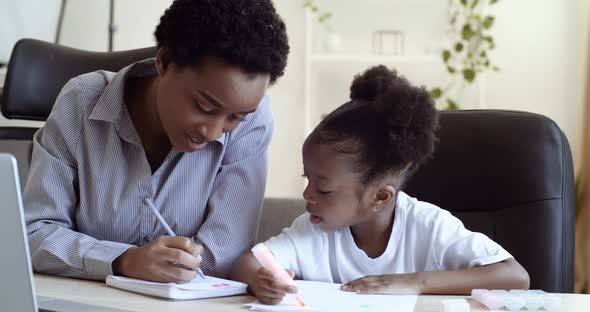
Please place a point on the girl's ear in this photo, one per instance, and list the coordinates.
(162, 61)
(383, 196)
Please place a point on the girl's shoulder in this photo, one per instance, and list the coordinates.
(420, 212)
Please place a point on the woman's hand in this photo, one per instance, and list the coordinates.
(166, 259)
(269, 289)
(392, 284)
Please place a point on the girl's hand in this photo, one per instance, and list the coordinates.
(392, 284)
(270, 290)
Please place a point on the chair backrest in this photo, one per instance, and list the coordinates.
(18, 142)
(278, 213)
(36, 72)
(506, 174)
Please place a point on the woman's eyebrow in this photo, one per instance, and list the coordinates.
(217, 104)
(211, 99)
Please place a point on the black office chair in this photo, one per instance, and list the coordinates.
(36, 72)
(506, 174)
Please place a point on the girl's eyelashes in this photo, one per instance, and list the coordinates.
(317, 190)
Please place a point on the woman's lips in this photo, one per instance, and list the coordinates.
(196, 142)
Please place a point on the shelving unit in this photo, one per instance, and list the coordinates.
(372, 58)
(328, 74)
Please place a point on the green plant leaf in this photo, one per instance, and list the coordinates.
(490, 41)
(307, 4)
(483, 53)
(488, 22)
(314, 9)
(474, 3)
(436, 93)
(469, 75)
(458, 47)
(451, 69)
(446, 55)
(464, 2)
(466, 32)
(493, 1)
(452, 105)
(324, 17)
(496, 68)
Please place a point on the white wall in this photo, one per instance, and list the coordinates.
(285, 165)
(541, 50)
(26, 18)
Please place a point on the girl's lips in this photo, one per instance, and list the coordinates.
(315, 219)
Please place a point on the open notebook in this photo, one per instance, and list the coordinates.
(327, 297)
(198, 288)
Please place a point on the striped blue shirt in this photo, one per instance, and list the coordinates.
(89, 175)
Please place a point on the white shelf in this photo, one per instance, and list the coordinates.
(374, 58)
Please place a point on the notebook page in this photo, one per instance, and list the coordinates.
(320, 296)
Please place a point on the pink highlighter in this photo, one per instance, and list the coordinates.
(267, 260)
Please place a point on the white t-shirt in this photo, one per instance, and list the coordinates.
(423, 238)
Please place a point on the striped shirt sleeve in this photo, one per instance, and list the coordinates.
(50, 198)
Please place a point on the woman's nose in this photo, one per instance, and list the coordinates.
(212, 130)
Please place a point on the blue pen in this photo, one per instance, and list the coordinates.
(166, 226)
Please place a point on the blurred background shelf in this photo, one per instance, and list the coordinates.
(372, 58)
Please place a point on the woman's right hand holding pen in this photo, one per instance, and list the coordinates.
(167, 259)
(269, 289)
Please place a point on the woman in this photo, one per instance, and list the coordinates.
(188, 131)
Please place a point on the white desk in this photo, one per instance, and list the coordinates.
(97, 293)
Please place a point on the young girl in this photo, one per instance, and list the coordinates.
(360, 228)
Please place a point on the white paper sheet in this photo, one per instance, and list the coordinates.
(320, 296)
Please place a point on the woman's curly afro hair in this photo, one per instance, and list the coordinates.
(245, 33)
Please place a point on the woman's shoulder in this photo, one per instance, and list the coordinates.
(83, 91)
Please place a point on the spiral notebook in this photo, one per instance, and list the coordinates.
(198, 288)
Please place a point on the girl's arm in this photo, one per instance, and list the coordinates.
(244, 269)
(261, 282)
(507, 274)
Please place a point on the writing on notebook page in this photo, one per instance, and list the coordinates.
(328, 297)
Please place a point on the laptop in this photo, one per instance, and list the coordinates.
(17, 287)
